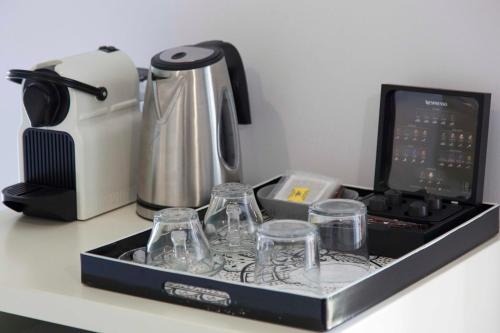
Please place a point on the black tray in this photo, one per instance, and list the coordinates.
(100, 268)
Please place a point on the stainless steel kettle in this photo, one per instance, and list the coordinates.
(195, 98)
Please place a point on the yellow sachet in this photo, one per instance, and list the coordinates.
(298, 194)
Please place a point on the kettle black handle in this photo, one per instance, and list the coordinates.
(18, 75)
(238, 78)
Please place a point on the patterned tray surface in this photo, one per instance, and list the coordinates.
(240, 268)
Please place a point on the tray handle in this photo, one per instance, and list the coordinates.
(199, 294)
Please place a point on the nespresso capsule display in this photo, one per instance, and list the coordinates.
(432, 141)
(78, 140)
(195, 98)
(431, 154)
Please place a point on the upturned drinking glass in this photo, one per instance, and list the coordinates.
(232, 219)
(288, 256)
(177, 242)
(342, 228)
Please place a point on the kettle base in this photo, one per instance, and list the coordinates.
(145, 212)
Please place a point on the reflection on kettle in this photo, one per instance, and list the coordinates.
(195, 98)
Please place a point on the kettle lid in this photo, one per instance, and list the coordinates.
(186, 57)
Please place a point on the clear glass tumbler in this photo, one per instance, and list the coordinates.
(177, 242)
(342, 228)
(288, 256)
(232, 219)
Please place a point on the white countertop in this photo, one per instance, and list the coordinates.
(40, 278)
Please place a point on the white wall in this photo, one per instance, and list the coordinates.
(314, 67)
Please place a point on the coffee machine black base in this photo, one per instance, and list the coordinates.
(41, 201)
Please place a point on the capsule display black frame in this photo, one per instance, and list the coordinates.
(386, 134)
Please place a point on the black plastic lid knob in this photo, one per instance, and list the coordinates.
(434, 202)
(107, 48)
(394, 197)
(378, 203)
(186, 58)
(417, 209)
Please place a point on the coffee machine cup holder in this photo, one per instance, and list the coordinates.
(41, 200)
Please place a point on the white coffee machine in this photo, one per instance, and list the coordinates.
(78, 141)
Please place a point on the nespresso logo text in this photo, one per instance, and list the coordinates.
(436, 103)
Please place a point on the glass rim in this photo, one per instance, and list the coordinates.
(176, 215)
(307, 229)
(350, 208)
